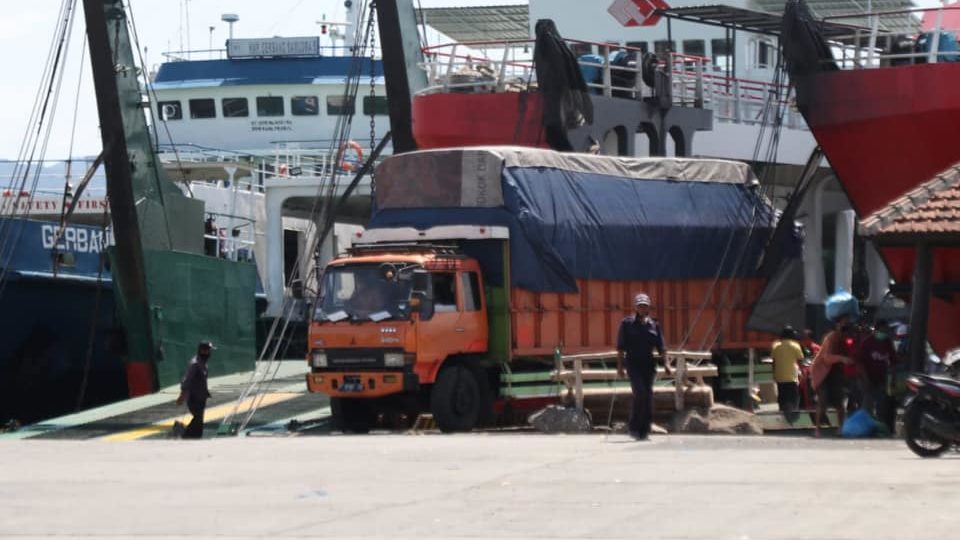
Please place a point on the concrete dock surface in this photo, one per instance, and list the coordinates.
(487, 485)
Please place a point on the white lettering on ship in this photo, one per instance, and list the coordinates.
(76, 239)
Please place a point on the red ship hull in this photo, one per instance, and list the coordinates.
(447, 120)
(885, 132)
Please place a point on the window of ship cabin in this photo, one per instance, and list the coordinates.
(694, 47)
(235, 107)
(375, 105)
(763, 53)
(470, 284)
(340, 106)
(270, 106)
(203, 108)
(170, 110)
(662, 46)
(304, 106)
(721, 53)
(642, 45)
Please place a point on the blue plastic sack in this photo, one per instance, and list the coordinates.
(947, 46)
(859, 424)
(842, 303)
(592, 74)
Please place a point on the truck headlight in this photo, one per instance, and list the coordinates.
(318, 359)
(391, 359)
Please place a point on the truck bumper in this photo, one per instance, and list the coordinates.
(372, 384)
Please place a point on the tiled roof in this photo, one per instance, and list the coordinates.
(931, 209)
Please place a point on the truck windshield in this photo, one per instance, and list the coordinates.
(361, 292)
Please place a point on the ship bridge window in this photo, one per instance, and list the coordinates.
(340, 106)
(721, 52)
(235, 107)
(663, 46)
(763, 53)
(170, 110)
(269, 106)
(642, 45)
(203, 108)
(375, 105)
(694, 47)
(304, 106)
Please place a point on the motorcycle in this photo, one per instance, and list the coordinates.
(932, 414)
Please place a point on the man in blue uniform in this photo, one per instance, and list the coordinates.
(194, 390)
(638, 338)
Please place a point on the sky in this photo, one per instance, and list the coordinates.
(27, 29)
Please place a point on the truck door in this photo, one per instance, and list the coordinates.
(438, 337)
(473, 323)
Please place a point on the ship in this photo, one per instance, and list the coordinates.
(879, 99)
(95, 313)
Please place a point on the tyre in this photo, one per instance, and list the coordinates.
(487, 416)
(455, 400)
(352, 415)
(919, 440)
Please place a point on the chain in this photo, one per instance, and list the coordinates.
(373, 87)
(372, 41)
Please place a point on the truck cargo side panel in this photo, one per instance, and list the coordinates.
(588, 321)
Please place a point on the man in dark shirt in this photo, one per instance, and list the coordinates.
(639, 336)
(875, 360)
(194, 390)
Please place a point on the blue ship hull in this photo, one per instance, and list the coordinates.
(61, 348)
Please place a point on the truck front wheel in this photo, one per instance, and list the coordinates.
(455, 400)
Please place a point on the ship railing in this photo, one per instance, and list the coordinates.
(745, 101)
(893, 38)
(188, 55)
(229, 237)
(467, 68)
(613, 71)
(282, 159)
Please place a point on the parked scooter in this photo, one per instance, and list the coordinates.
(932, 418)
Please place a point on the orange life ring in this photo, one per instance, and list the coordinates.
(347, 165)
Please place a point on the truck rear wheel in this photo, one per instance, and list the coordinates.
(352, 415)
(456, 400)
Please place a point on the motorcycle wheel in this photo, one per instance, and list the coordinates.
(919, 440)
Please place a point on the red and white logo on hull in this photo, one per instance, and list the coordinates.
(637, 12)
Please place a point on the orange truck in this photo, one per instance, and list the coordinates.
(480, 263)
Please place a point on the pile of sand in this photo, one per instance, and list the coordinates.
(717, 419)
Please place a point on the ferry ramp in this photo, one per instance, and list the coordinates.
(152, 416)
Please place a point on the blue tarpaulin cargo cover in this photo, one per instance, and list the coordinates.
(576, 216)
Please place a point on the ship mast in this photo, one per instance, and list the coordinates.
(169, 295)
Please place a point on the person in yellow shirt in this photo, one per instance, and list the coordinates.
(787, 355)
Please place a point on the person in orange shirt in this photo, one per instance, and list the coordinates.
(827, 371)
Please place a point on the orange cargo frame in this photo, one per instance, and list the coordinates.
(587, 321)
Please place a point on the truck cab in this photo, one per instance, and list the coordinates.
(401, 326)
